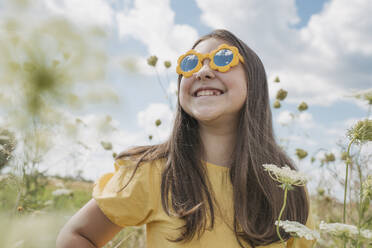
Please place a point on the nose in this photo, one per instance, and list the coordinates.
(205, 72)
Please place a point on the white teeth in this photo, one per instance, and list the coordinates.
(208, 93)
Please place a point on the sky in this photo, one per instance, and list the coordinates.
(321, 51)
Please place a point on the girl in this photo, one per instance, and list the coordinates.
(205, 186)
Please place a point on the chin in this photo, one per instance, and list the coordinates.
(206, 118)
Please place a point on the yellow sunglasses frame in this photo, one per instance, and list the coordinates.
(236, 58)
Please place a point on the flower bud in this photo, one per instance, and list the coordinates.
(106, 145)
(167, 64)
(302, 106)
(329, 157)
(281, 95)
(152, 60)
(158, 122)
(344, 156)
(276, 104)
(301, 153)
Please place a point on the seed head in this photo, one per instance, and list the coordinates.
(276, 104)
(361, 132)
(302, 107)
(281, 95)
(158, 122)
(152, 60)
(300, 153)
(167, 64)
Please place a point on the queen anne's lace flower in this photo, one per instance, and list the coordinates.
(361, 132)
(285, 175)
(341, 230)
(296, 229)
(366, 234)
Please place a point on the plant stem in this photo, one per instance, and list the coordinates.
(165, 92)
(347, 172)
(360, 207)
(345, 191)
(281, 212)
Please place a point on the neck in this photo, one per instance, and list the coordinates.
(218, 143)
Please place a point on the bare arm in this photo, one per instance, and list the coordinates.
(88, 228)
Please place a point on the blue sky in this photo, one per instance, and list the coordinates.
(319, 49)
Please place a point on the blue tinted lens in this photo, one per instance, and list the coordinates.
(223, 57)
(189, 62)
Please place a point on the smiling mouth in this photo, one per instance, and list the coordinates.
(207, 95)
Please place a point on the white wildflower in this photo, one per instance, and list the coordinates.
(296, 229)
(59, 192)
(285, 175)
(339, 229)
(367, 234)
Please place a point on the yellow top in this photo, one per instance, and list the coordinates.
(140, 203)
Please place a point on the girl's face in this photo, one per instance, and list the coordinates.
(224, 107)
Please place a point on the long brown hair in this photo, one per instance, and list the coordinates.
(257, 198)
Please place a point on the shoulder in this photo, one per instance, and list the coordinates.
(131, 163)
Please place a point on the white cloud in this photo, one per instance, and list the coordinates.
(320, 63)
(303, 119)
(302, 140)
(152, 23)
(306, 120)
(148, 117)
(339, 27)
(83, 12)
(285, 118)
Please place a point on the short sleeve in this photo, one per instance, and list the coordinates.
(134, 205)
(302, 242)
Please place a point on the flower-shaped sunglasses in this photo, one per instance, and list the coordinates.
(221, 59)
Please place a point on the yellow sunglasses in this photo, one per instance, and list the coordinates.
(221, 59)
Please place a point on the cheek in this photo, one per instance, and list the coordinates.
(185, 86)
(183, 91)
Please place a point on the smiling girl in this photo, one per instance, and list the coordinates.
(205, 186)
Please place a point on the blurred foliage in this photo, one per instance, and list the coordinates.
(48, 67)
(7, 146)
(48, 63)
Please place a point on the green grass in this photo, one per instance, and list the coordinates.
(39, 216)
